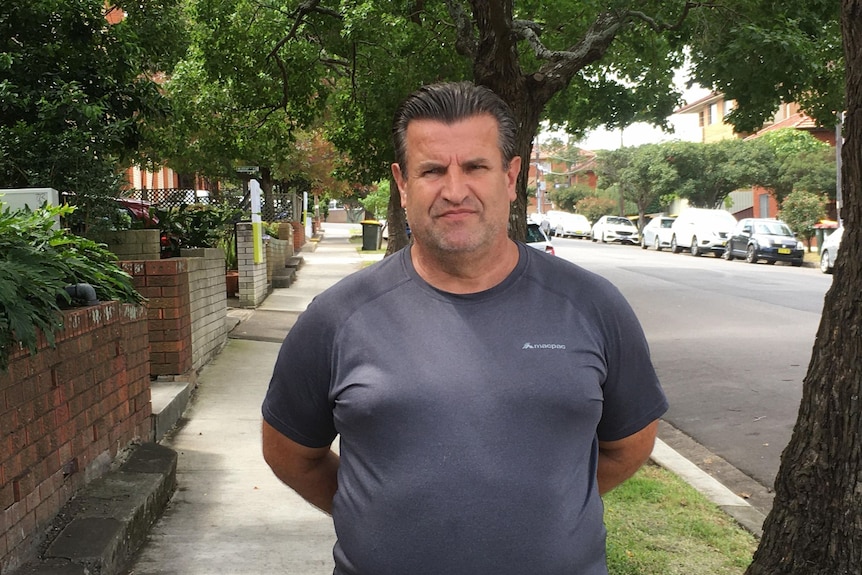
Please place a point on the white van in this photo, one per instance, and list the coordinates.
(701, 230)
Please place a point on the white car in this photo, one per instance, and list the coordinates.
(829, 250)
(614, 229)
(537, 239)
(573, 225)
(701, 230)
(550, 221)
(657, 233)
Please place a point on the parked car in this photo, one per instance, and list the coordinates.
(550, 221)
(756, 239)
(657, 233)
(701, 230)
(829, 250)
(537, 239)
(573, 225)
(614, 229)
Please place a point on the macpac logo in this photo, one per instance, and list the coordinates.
(529, 345)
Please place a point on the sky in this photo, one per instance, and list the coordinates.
(685, 126)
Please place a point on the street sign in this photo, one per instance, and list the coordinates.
(248, 169)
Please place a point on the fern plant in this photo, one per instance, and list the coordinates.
(37, 262)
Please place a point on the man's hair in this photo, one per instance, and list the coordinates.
(451, 102)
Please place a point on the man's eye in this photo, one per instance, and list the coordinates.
(432, 172)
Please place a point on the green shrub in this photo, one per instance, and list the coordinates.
(37, 262)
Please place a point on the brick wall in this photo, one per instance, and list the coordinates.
(253, 286)
(278, 252)
(165, 284)
(187, 308)
(208, 303)
(298, 235)
(132, 244)
(65, 413)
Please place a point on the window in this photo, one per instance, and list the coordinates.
(729, 106)
(713, 113)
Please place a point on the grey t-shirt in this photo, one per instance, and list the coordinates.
(468, 423)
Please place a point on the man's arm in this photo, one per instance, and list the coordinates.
(619, 460)
(311, 472)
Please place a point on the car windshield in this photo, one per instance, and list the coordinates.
(620, 221)
(773, 229)
(534, 234)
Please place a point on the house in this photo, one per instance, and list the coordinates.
(549, 168)
(712, 111)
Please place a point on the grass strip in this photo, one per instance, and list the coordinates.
(659, 525)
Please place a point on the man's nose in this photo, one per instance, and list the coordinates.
(455, 186)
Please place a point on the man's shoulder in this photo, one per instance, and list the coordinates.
(367, 283)
(554, 269)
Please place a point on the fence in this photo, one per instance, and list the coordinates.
(279, 206)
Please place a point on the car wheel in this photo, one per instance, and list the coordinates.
(593, 237)
(796, 263)
(674, 247)
(604, 241)
(751, 255)
(694, 249)
(824, 263)
(770, 262)
(643, 243)
(728, 253)
(657, 244)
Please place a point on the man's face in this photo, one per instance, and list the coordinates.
(456, 191)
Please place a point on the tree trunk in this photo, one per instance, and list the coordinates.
(396, 221)
(815, 526)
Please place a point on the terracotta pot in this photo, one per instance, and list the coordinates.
(231, 278)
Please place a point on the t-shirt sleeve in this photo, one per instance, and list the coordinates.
(633, 396)
(297, 402)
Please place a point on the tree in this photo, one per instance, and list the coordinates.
(708, 173)
(567, 197)
(642, 173)
(595, 207)
(801, 210)
(787, 157)
(76, 91)
(231, 104)
(815, 525)
(580, 65)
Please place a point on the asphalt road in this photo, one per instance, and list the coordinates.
(731, 342)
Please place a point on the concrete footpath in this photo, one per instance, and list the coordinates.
(229, 514)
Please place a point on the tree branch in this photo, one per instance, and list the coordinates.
(305, 8)
(465, 41)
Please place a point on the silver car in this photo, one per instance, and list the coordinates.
(829, 250)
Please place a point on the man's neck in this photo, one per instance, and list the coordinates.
(465, 273)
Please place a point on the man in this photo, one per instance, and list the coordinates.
(484, 394)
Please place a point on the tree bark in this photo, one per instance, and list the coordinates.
(815, 526)
(396, 221)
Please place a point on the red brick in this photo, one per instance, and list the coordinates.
(14, 395)
(166, 267)
(8, 422)
(52, 463)
(163, 281)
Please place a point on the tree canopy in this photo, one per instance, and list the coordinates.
(76, 91)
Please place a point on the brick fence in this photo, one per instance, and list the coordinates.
(187, 307)
(65, 413)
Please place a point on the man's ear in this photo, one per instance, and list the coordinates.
(512, 177)
(399, 181)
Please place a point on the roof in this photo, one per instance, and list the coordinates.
(797, 121)
(700, 104)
